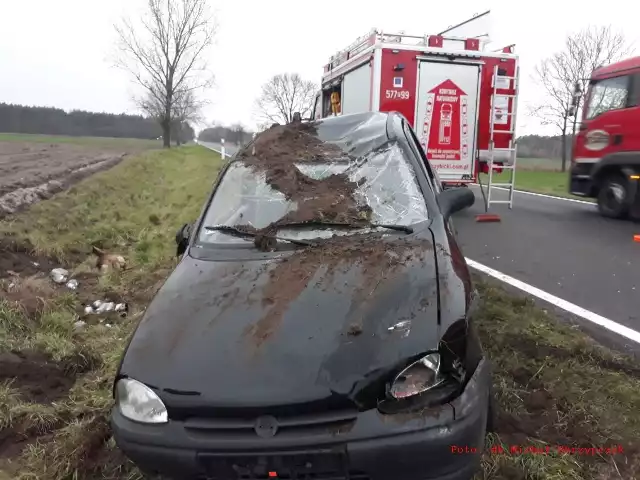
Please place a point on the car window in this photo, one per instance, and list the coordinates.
(415, 144)
(386, 182)
(608, 94)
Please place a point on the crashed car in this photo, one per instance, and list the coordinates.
(319, 324)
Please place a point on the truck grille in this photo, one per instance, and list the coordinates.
(298, 466)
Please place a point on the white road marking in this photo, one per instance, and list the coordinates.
(558, 302)
(226, 153)
(543, 195)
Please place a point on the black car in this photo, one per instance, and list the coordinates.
(319, 324)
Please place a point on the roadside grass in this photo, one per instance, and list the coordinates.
(553, 385)
(536, 163)
(555, 388)
(54, 409)
(91, 141)
(538, 181)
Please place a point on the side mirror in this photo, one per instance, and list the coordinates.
(182, 238)
(454, 200)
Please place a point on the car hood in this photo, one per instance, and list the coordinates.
(292, 328)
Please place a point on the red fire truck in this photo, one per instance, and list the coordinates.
(605, 162)
(460, 98)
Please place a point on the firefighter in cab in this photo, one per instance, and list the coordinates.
(335, 103)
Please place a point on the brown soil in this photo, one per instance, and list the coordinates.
(376, 259)
(539, 418)
(30, 172)
(36, 377)
(18, 258)
(13, 441)
(331, 199)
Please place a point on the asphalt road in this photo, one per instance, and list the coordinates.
(564, 248)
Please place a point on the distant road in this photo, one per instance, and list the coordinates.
(230, 149)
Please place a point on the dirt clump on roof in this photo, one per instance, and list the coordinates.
(275, 154)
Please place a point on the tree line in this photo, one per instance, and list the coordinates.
(56, 121)
(541, 146)
(236, 134)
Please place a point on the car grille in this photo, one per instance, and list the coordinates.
(324, 423)
(298, 466)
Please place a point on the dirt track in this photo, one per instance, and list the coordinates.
(33, 171)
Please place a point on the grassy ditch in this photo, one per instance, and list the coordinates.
(554, 387)
(54, 377)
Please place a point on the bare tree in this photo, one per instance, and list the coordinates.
(165, 52)
(282, 96)
(186, 108)
(558, 75)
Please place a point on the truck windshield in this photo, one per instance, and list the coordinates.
(608, 94)
(386, 182)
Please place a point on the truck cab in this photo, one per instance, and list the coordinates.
(605, 160)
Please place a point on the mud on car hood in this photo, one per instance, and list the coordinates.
(299, 327)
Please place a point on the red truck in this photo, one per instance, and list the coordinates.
(605, 161)
(460, 98)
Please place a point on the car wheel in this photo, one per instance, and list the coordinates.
(613, 195)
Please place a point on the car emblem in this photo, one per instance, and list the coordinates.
(266, 426)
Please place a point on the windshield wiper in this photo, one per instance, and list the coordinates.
(316, 223)
(245, 233)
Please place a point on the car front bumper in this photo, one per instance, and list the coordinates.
(442, 443)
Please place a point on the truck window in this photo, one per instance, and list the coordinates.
(634, 93)
(608, 94)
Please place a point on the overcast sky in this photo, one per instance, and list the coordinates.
(56, 53)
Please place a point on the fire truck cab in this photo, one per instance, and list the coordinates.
(605, 159)
(460, 98)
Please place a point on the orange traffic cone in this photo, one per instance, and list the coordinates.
(636, 238)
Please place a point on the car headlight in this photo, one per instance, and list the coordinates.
(139, 403)
(418, 377)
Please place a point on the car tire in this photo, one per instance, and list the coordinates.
(613, 195)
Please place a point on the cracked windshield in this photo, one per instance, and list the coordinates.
(382, 180)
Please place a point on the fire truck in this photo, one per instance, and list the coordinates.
(459, 96)
(605, 161)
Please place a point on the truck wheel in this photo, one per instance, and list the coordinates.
(613, 195)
